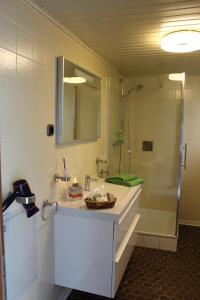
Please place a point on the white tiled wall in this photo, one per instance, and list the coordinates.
(157, 242)
(29, 44)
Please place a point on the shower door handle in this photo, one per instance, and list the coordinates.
(184, 164)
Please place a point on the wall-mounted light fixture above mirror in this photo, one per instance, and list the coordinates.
(78, 103)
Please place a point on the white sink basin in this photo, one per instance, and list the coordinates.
(123, 194)
(105, 187)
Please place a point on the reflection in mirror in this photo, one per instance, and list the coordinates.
(78, 104)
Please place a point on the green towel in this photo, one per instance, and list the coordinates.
(125, 179)
(133, 182)
(121, 178)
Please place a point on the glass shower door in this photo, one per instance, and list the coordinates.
(153, 118)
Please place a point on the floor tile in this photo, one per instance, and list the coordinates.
(160, 275)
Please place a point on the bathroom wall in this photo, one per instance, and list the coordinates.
(154, 115)
(29, 44)
(190, 205)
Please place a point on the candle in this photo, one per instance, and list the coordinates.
(75, 182)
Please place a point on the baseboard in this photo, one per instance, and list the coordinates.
(65, 294)
(189, 222)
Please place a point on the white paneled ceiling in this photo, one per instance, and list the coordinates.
(127, 33)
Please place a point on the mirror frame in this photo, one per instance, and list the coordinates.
(59, 106)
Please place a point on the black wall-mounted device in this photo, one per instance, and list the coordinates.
(50, 130)
(22, 192)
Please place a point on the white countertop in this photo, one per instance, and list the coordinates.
(123, 194)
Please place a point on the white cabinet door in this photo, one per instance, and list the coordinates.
(83, 254)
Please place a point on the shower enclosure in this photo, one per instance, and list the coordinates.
(149, 121)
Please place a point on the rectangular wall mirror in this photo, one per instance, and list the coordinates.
(78, 104)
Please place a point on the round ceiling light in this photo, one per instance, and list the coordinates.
(75, 79)
(181, 41)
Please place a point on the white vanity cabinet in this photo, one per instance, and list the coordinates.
(92, 248)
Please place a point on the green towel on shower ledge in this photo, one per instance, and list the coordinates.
(121, 178)
(125, 179)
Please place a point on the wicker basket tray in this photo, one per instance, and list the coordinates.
(91, 203)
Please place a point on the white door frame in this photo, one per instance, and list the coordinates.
(1, 244)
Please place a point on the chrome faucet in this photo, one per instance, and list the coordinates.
(88, 179)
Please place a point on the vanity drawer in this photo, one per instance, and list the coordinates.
(123, 253)
(125, 239)
(125, 223)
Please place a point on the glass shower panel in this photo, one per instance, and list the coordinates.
(151, 148)
(114, 123)
(157, 115)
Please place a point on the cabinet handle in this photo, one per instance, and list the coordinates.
(128, 208)
(126, 239)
